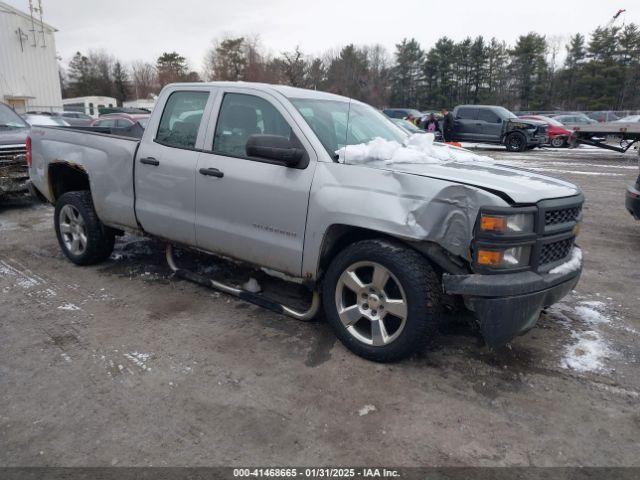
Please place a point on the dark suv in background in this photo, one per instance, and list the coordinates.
(497, 125)
(402, 112)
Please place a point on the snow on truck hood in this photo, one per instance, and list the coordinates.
(421, 156)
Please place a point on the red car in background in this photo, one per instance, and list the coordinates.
(558, 133)
(121, 120)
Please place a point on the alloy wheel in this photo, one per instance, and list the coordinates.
(73, 230)
(371, 303)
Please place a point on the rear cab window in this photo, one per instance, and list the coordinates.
(181, 119)
(465, 113)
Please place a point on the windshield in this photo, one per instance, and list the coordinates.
(45, 121)
(406, 125)
(551, 121)
(10, 119)
(504, 113)
(341, 123)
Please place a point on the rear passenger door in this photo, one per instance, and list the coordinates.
(165, 166)
(466, 126)
(250, 208)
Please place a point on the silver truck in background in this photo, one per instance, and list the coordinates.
(385, 231)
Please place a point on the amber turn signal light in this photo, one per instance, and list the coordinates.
(491, 223)
(490, 258)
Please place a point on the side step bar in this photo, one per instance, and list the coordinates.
(243, 294)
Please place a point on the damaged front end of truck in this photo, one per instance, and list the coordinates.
(14, 173)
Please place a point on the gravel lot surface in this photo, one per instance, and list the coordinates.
(121, 364)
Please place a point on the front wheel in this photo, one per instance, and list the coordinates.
(516, 142)
(81, 235)
(381, 299)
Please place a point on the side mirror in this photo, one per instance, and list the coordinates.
(274, 147)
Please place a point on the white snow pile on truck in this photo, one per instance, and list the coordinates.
(418, 148)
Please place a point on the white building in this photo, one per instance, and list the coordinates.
(29, 78)
(90, 105)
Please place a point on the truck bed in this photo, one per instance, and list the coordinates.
(628, 129)
(109, 158)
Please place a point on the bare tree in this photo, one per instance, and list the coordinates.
(144, 79)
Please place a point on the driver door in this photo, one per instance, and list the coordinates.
(250, 208)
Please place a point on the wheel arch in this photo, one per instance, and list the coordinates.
(66, 177)
(339, 236)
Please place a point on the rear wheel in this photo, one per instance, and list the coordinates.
(381, 299)
(81, 235)
(558, 142)
(516, 142)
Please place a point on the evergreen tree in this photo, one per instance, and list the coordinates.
(80, 79)
(529, 70)
(171, 67)
(407, 74)
(121, 83)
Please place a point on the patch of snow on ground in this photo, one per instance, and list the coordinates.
(589, 349)
(6, 225)
(366, 410)
(588, 353)
(140, 359)
(419, 148)
(591, 315)
(571, 265)
(69, 307)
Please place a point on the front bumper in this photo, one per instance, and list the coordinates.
(632, 200)
(508, 305)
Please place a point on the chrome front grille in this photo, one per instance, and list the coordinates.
(13, 154)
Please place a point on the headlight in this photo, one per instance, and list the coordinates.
(513, 257)
(506, 224)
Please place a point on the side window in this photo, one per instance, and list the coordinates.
(106, 123)
(488, 116)
(122, 123)
(181, 119)
(91, 109)
(466, 113)
(243, 115)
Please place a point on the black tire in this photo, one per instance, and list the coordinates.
(516, 142)
(99, 239)
(417, 279)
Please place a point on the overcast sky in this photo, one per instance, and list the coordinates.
(143, 29)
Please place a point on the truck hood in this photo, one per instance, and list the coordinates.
(520, 185)
(13, 136)
(419, 155)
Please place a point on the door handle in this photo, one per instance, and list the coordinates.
(150, 161)
(211, 172)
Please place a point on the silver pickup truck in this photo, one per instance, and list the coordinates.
(388, 231)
